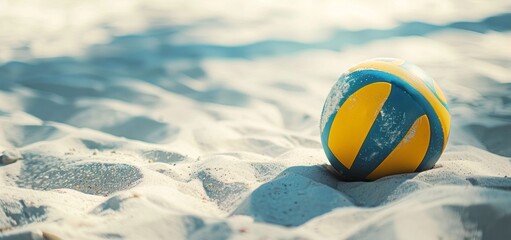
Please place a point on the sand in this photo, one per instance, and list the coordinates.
(198, 120)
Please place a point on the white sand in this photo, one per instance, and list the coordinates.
(154, 120)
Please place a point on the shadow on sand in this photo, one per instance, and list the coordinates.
(301, 193)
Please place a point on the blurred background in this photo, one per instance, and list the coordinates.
(157, 65)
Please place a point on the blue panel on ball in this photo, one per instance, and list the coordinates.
(393, 122)
(437, 139)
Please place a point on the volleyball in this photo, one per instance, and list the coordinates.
(382, 117)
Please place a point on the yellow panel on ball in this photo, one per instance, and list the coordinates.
(354, 120)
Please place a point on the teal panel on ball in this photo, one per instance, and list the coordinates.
(394, 120)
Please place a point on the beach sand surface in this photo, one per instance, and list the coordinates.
(200, 120)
